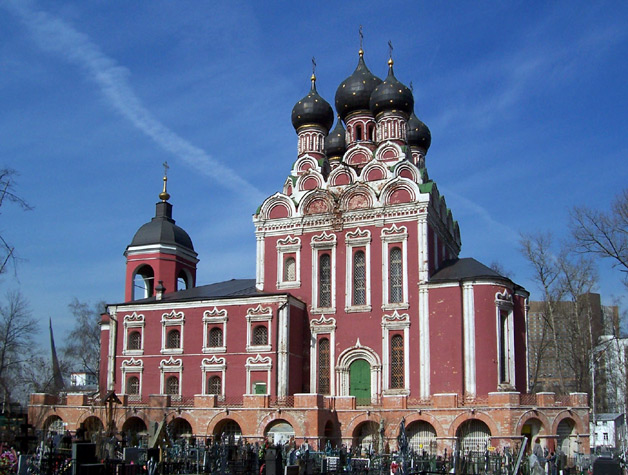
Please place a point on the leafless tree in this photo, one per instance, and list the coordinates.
(604, 234)
(17, 328)
(82, 345)
(8, 195)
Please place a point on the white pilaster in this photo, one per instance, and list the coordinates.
(424, 341)
(468, 317)
(423, 249)
(282, 346)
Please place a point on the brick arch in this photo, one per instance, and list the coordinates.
(438, 427)
(566, 414)
(284, 416)
(467, 416)
(349, 429)
(220, 417)
(532, 414)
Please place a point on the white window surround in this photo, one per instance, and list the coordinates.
(391, 236)
(348, 356)
(360, 239)
(134, 321)
(505, 334)
(255, 316)
(213, 364)
(213, 318)
(395, 322)
(168, 320)
(322, 326)
(319, 243)
(258, 363)
(285, 246)
(167, 368)
(132, 367)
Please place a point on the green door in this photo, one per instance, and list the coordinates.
(360, 381)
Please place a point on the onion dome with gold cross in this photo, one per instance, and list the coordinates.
(418, 135)
(391, 95)
(312, 110)
(354, 93)
(335, 142)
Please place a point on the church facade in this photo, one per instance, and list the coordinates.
(361, 315)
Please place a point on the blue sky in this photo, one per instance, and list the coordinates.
(526, 102)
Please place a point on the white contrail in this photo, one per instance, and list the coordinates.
(57, 36)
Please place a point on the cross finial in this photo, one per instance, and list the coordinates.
(163, 196)
(166, 167)
(313, 65)
(411, 87)
(361, 38)
(390, 49)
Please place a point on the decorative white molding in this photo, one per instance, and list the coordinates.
(468, 323)
(213, 365)
(253, 316)
(133, 321)
(348, 356)
(391, 236)
(353, 239)
(320, 243)
(172, 319)
(322, 326)
(395, 322)
(167, 367)
(258, 363)
(424, 341)
(215, 318)
(285, 246)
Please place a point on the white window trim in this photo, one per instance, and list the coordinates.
(134, 321)
(504, 303)
(323, 242)
(391, 236)
(360, 239)
(132, 367)
(213, 318)
(323, 326)
(168, 367)
(259, 363)
(172, 319)
(253, 316)
(288, 246)
(213, 365)
(395, 322)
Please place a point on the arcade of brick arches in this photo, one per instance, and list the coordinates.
(361, 315)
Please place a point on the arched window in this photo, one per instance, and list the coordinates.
(214, 385)
(134, 341)
(172, 385)
(174, 339)
(359, 278)
(215, 338)
(290, 270)
(260, 335)
(324, 281)
(133, 385)
(323, 366)
(396, 362)
(143, 282)
(371, 135)
(395, 276)
(183, 281)
(358, 132)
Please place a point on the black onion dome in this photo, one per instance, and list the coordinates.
(335, 143)
(312, 110)
(391, 95)
(418, 134)
(354, 93)
(162, 230)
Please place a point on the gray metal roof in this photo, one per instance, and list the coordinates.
(464, 269)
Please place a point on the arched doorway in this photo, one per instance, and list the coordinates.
(566, 432)
(473, 436)
(134, 428)
(422, 437)
(92, 426)
(331, 436)
(530, 430)
(179, 427)
(228, 430)
(54, 425)
(367, 437)
(279, 432)
(360, 381)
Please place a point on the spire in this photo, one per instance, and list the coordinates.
(164, 196)
(57, 378)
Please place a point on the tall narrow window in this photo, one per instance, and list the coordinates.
(359, 278)
(503, 348)
(396, 362)
(133, 385)
(396, 276)
(324, 281)
(260, 335)
(215, 338)
(290, 270)
(174, 339)
(323, 366)
(358, 132)
(172, 386)
(135, 341)
(214, 385)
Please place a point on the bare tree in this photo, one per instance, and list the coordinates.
(82, 345)
(604, 234)
(17, 328)
(8, 195)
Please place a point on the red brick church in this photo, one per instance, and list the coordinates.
(360, 314)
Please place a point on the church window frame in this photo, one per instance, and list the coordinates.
(171, 368)
(132, 368)
(133, 323)
(394, 237)
(257, 318)
(505, 326)
(172, 321)
(322, 328)
(395, 324)
(287, 249)
(133, 385)
(324, 367)
(397, 379)
(258, 364)
(210, 367)
(323, 244)
(212, 319)
(358, 244)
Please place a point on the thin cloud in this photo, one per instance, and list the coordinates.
(54, 35)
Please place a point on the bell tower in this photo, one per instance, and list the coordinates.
(161, 255)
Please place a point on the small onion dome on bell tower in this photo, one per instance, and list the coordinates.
(335, 142)
(391, 96)
(418, 135)
(354, 93)
(312, 110)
